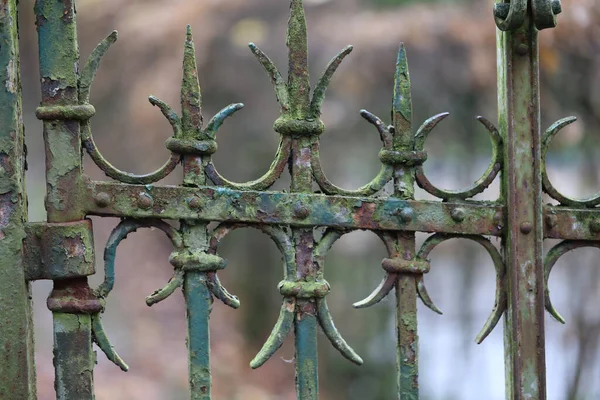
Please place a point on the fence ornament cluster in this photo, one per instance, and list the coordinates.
(61, 249)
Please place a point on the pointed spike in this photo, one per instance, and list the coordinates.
(324, 80)
(191, 98)
(100, 338)
(333, 335)
(402, 103)
(280, 331)
(297, 43)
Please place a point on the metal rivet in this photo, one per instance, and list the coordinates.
(526, 227)
(102, 199)
(458, 214)
(551, 220)
(145, 202)
(522, 49)
(595, 226)
(195, 203)
(301, 212)
(407, 214)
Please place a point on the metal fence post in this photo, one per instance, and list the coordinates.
(17, 368)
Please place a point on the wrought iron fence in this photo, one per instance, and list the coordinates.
(61, 249)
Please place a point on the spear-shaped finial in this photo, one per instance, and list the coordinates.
(402, 103)
(297, 43)
(191, 98)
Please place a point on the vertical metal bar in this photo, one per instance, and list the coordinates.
(17, 366)
(198, 298)
(519, 120)
(406, 289)
(298, 87)
(72, 300)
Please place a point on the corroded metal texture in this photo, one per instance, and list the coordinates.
(61, 249)
(16, 331)
(519, 116)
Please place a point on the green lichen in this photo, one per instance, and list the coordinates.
(16, 326)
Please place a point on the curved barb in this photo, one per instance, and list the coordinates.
(378, 183)
(99, 337)
(123, 176)
(120, 233)
(278, 334)
(481, 184)
(549, 188)
(263, 183)
(281, 91)
(91, 67)
(323, 83)
(424, 295)
(551, 258)
(215, 122)
(169, 114)
(85, 82)
(384, 288)
(161, 294)
(219, 291)
(281, 239)
(389, 280)
(500, 303)
(333, 335)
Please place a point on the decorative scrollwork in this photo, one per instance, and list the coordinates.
(551, 258)
(87, 76)
(481, 184)
(292, 290)
(549, 188)
(420, 265)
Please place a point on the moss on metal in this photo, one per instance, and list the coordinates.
(16, 326)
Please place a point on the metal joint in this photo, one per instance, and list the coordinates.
(59, 251)
(304, 290)
(404, 158)
(196, 261)
(191, 147)
(80, 112)
(402, 266)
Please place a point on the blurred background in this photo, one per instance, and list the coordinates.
(451, 51)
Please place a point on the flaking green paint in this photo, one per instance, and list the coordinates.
(17, 365)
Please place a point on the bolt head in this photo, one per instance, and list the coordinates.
(145, 202)
(407, 214)
(102, 199)
(526, 227)
(522, 49)
(301, 211)
(195, 203)
(458, 214)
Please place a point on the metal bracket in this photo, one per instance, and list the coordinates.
(58, 251)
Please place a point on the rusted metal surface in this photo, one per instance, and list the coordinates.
(519, 116)
(16, 331)
(62, 248)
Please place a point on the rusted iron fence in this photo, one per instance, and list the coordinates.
(61, 249)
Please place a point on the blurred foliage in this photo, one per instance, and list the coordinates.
(451, 52)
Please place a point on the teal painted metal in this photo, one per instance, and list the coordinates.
(61, 248)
